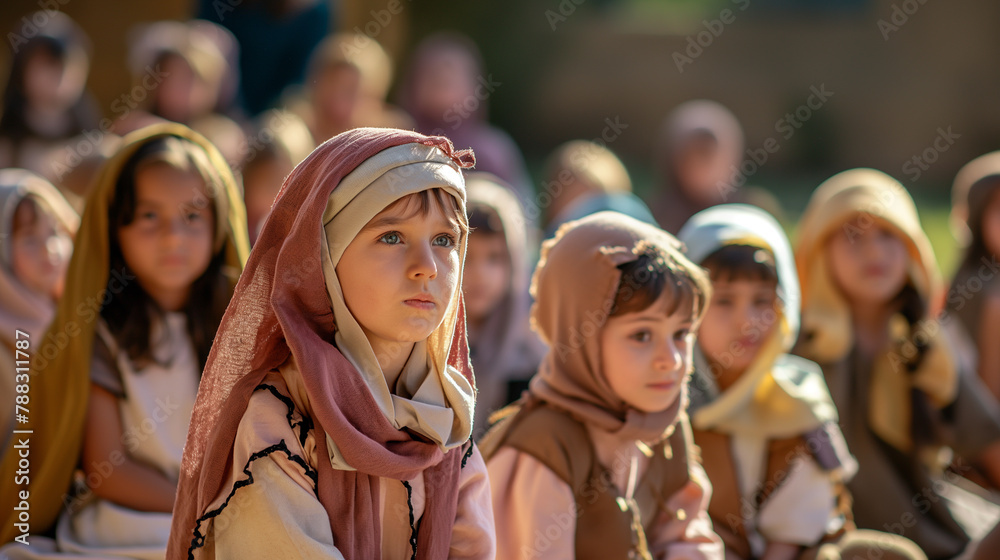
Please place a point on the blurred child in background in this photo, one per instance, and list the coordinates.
(45, 105)
(279, 142)
(446, 90)
(597, 460)
(698, 156)
(160, 247)
(505, 352)
(184, 72)
(974, 297)
(869, 288)
(763, 419)
(34, 251)
(582, 178)
(348, 81)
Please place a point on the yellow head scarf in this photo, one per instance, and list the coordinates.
(868, 194)
(778, 396)
(60, 378)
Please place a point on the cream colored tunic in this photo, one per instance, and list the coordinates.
(534, 508)
(279, 515)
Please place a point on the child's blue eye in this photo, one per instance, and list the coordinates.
(444, 240)
(391, 238)
(682, 334)
(193, 216)
(147, 216)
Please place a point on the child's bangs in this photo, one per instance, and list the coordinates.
(654, 274)
(741, 262)
(174, 153)
(421, 203)
(484, 219)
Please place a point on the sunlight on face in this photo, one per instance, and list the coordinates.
(40, 250)
(742, 315)
(400, 272)
(868, 262)
(168, 245)
(487, 274)
(646, 355)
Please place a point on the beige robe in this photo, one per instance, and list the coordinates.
(279, 516)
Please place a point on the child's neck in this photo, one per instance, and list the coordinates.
(871, 327)
(171, 301)
(391, 358)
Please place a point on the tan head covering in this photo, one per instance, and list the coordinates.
(60, 381)
(970, 193)
(22, 308)
(826, 315)
(289, 303)
(360, 52)
(574, 289)
(777, 396)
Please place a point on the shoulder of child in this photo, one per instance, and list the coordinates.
(554, 438)
(803, 379)
(272, 427)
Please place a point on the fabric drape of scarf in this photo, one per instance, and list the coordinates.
(289, 302)
(769, 400)
(873, 198)
(60, 381)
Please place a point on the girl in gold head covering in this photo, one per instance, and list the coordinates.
(869, 284)
(112, 383)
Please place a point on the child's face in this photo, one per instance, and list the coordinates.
(337, 93)
(646, 355)
(487, 274)
(742, 315)
(868, 262)
(261, 184)
(702, 167)
(400, 272)
(168, 245)
(39, 251)
(447, 84)
(991, 223)
(183, 96)
(42, 77)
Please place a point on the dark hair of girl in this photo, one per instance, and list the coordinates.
(131, 312)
